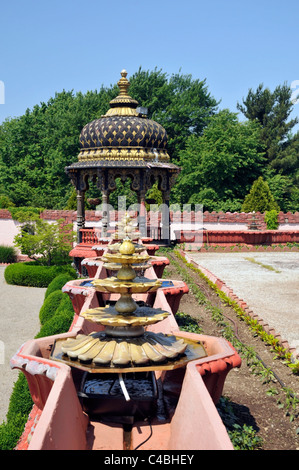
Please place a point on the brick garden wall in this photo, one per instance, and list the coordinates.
(210, 221)
(220, 218)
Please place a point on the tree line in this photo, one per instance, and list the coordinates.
(221, 153)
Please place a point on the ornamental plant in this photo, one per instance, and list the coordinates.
(7, 254)
(49, 243)
(271, 219)
(260, 198)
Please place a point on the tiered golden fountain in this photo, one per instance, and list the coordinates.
(123, 345)
(124, 342)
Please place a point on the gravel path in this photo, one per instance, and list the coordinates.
(19, 322)
(267, 282)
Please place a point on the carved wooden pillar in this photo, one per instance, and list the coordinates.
(80, 213)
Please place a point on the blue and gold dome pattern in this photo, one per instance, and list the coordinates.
(123, 133)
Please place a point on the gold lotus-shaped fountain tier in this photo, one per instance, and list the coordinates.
(124, 344)
(102, 350)
(114, 263)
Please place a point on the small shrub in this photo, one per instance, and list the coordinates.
(7, 254)
(187, 323)
(58, 283)
(244, 437)
(11, 431)
(50, 306)
(260, 198)
(32, 275)
(48, 242)
(271, 219)
(20, 401)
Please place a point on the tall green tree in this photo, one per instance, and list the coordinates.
(272, 110)
(181, 104)
(36, 147)
(220, 166)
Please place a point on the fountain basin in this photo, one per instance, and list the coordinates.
(62, 423)
(138, 285)
(79, 290)
(150, 352)
(150, 248)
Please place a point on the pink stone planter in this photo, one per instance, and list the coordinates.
(92, 265)
(61, 422)
(174, 293)
(78, 293)
(62, 425)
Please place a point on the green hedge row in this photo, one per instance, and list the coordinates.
(56, 316)
(33, 275)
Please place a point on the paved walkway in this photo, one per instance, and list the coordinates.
(273, 294)
(19, 322)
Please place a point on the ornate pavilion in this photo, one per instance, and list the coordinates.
(123, 143)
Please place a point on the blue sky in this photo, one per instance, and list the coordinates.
(46, 47)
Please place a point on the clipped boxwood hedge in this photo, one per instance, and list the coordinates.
(56, 321)
(50, 306)
(58, 283)
(32, 275)
(55, 303)
(59, 323)
(20, 406)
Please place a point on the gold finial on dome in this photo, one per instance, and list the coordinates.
(123, 83)
(123, 104)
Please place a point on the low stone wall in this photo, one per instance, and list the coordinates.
(235, 237)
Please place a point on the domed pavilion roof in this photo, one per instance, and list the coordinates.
(123, 133)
